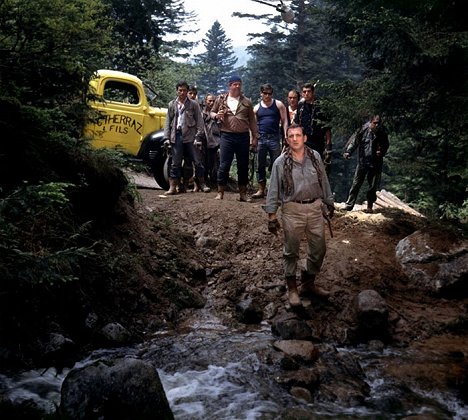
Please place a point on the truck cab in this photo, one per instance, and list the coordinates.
(126, 121)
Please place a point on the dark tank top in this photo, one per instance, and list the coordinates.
(268, 119)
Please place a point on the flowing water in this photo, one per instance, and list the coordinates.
(210, 371)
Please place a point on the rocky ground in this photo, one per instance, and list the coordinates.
(243, 260)
(181, 253)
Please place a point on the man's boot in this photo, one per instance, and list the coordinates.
(243, 193)
(202, 185)
(261, 190)
(308, 287)
(172, 187)
(220, 194)
(293, 297)
(182, 186)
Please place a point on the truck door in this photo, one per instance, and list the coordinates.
(120, 124)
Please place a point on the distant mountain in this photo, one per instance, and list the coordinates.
(242, 55)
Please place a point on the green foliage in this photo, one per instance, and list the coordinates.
(47, 46)
(39, 238)
(142, 30)
(450, 211)
(416, 55)
(163, 81)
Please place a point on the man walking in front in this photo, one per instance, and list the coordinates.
(270, 114)
(300, 186)
(238, 133)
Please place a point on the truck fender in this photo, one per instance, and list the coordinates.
(157, 156)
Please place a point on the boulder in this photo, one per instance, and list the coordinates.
(306, 378)
(436, 261)
(291, 328)
(114, 389)
(114, 334)
(300, 350)
(371, 316)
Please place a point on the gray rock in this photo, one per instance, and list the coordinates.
(289, 328)
(58, 344)
(436, 261)
(115, 333)
(300, 350)
(301, 393)
(372, 316)
(118, 389)
(306, 378)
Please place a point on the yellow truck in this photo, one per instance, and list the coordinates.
(127, 121)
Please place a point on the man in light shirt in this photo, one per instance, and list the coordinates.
(239, 133)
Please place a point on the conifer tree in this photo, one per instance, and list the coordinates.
(217, 62)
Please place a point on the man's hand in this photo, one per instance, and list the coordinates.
(346, 155)
(331, 211)
(273, 226)
(327, 157)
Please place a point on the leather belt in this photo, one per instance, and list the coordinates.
(309, 201)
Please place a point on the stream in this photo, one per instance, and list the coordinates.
(211, 371)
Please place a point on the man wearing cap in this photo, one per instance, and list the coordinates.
(239, 132)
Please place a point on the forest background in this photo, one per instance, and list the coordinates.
(404, 60)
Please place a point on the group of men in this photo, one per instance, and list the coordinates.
(299, 184)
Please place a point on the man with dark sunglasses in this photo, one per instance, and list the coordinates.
(271, 117)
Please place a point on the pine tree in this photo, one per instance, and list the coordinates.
(217, 62)
(140, 29)
(289, 55)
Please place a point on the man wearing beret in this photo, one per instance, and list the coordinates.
(239, 133)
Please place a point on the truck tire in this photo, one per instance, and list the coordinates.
(160, 169)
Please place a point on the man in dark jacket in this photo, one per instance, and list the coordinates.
(184, 125)
(371, 140)
(311, 118)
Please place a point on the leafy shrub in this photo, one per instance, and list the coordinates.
(40, 241)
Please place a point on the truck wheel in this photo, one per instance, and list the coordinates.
(161, 167)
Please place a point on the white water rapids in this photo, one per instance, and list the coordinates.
(210, 371)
